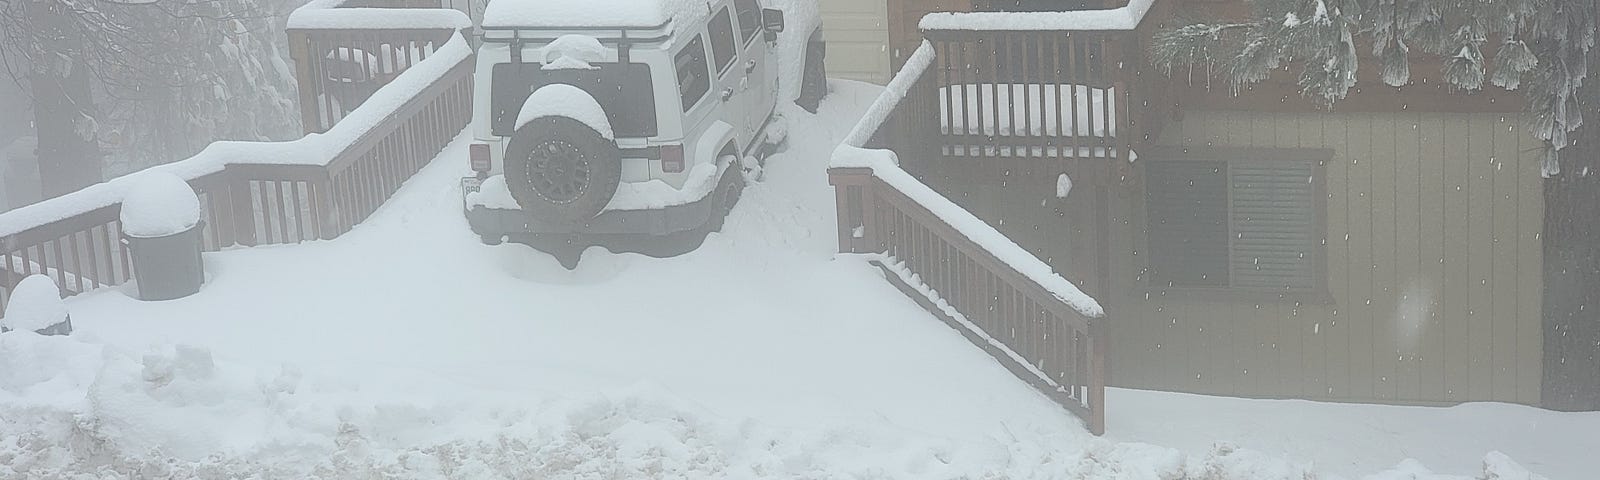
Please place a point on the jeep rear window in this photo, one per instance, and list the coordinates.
(624, 91)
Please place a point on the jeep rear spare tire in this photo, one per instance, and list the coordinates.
(562, 170)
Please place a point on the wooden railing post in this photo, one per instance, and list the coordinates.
(300, 52)
(324, 207)
(1098, 343)
(244, 212)
(851, 189)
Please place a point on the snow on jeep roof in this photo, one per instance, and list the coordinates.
(591, 13)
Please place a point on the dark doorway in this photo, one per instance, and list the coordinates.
(1572, 282)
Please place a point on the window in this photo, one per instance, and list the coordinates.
(694, 78)
(749, 18)
(1247, 223)
(722, 41)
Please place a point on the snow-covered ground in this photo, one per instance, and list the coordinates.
(1355, 440)
(406, 348)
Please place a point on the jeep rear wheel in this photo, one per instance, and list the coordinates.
(561, 170)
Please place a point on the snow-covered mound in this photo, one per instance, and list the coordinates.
(562, 100)
(159, 204)
(35, 304)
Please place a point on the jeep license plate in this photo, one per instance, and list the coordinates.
(469, 185)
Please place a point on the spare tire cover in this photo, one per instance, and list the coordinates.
(561, 170)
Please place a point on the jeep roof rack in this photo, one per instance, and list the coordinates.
(605, 34)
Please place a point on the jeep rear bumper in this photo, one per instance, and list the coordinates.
(514, 223)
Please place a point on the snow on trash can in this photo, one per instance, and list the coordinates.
(36, 306)
(161, 227)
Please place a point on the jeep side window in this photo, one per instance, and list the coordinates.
(749, 18)
(722, 39)
(694, 78)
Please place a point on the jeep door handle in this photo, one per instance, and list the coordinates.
(727, 93)
(750, 66)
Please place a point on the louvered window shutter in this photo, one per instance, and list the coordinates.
(1247, 224)
(1273, 216)
(1188, 223)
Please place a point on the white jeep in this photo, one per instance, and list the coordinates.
(626, 123)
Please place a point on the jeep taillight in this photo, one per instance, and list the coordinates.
(672, 158)
(480, 157)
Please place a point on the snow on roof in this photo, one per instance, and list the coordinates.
(591, 13)
(1123, 18)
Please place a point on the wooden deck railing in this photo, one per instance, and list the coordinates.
(257, 193)
(1033, 321)
(1033, 94)
(344, 52)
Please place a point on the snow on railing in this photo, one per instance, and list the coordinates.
(1043, 328)
(1122, 18)
(253, 193)
(317, 149)
(884, 163)
(332, 15)
(344, 50)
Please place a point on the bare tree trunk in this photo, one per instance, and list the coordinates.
(63, 106)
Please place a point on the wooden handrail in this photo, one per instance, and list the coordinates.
(1035, 333)
(1005, 300)
(262, 193)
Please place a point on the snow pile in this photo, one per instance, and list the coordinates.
(493, 193)
(1063, 185)
(180, 412)
(1498, 466)
(562, 100)
(1071, 110)
(158, 205)
(1363, 441)
(800, 18)
(590, 13)
(654, 194)
(35, 305)
(1123, 18)
(573, 52)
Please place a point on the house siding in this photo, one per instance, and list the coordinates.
(1433, 266)
(857, 37)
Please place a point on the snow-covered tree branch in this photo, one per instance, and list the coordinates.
(1542, 47)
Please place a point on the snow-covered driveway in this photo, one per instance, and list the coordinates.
(408, 349)
(408, 325)
(760, 322)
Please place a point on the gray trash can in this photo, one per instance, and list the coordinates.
(167, 267)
